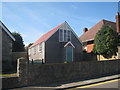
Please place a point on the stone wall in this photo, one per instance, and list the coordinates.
(15, 56)
(39, 74)
(36, 74)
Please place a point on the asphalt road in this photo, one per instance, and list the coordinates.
(107, 84)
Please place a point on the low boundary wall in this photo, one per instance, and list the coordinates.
(39, 74)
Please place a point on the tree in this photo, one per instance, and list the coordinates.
(30, 44)
(106, 42)
(18, 45)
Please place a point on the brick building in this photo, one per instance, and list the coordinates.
(88, 36)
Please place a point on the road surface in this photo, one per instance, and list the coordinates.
(107, 84)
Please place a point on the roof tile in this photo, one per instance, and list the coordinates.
(45, 36)
(90, 34)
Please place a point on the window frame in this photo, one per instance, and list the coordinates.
(40, 48)
(65, 36)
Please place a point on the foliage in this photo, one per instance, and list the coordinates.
(18, 45)
(106, 42)
(30, 44)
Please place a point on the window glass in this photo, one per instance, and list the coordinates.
(40, 48)
(61, 35)
(65, 35)
(69, 35)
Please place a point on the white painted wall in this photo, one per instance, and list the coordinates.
(37, 55)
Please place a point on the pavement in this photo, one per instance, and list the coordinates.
(88, 82)
(73, 84)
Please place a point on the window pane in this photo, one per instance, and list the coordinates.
(61, 35)
(40, 48)
(69, 35)
(65, 35)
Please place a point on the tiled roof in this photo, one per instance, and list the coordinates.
(90, 34)
(45, 36)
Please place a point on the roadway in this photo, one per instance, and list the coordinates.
(107, 84)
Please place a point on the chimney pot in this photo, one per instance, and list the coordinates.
(118, 22)
(85, 30)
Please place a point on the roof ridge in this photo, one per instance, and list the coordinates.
(95, 25)
(109, 21)
(90, 34)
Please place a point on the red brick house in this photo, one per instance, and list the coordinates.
(88, 36)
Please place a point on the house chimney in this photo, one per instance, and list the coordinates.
(118, 22)
(85, 30)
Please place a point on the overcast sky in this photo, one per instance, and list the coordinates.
(33, 19)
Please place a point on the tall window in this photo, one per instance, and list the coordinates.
(35, 50)
(64, 35)
(61, 35)
(40, 48)
(69, 36)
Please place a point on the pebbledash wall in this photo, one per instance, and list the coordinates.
(39, 74)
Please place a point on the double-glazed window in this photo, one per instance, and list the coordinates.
(64, 35)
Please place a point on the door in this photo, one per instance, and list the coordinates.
(69, 53)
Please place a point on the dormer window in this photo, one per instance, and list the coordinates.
(64, 35)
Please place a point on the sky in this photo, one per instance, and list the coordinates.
(33, 19)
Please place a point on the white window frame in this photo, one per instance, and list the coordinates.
(64, 39)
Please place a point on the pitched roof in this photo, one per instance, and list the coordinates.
(7, 31)
(90, 34)
(45, 36)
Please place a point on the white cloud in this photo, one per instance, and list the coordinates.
(34, 16)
